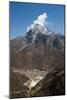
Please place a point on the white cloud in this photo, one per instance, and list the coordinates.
(41, 19)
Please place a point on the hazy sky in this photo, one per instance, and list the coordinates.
(23, 15)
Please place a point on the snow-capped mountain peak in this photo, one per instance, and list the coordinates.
(39, 28)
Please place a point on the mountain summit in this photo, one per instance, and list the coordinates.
(38, 29)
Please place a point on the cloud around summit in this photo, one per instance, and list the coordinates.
(41, 19)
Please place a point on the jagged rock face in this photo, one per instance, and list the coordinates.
(50, 84)
(37, 30)
(37, 50)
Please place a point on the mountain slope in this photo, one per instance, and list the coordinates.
(38, 49)
(37, 64)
